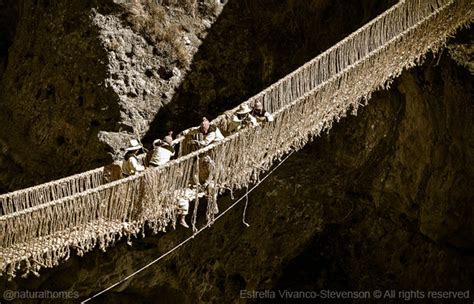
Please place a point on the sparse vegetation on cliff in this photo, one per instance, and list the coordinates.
(164, 22)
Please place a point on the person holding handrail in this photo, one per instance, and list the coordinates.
(260, 113)
(242, 118)
(163, 150)
(206, 134)
(131, 164)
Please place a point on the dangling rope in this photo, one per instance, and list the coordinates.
(245, 208)
(196, 200)
(189, 238)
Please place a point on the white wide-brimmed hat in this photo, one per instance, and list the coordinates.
(134, 145)
(244, 109)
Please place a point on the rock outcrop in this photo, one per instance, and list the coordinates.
(80, 81)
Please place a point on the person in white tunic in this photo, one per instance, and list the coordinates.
(162, 151)
(131, 164)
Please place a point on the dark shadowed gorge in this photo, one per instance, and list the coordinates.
(383, 201)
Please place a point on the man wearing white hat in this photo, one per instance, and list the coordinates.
(130, 164)
(242, 118)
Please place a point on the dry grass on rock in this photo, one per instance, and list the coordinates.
(164, 23)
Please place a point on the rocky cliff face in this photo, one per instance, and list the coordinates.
(52, 107)
(9, 12)
(384, 201)
(80, 81)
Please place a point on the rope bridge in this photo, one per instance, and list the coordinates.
(40, 225)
